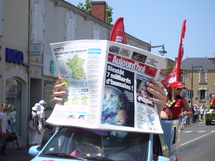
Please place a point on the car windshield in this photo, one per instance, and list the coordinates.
(82, 143)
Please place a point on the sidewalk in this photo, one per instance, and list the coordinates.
(17, 155)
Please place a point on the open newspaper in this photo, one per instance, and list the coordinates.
(106, 86)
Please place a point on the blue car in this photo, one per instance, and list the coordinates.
(72, 143)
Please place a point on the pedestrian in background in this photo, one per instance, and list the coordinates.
(195, 113)
(202, 111)
(31, 129)
(3, 128)
(190, 118)
(198, 117)
(41, 122)
(33, 134)
(42, 103)
(12, 137)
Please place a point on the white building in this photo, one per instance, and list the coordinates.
(26, 30)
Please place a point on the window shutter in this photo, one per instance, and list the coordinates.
(207, 95)
(199, 94)
(202, 77)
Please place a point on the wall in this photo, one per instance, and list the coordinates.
(15, 36)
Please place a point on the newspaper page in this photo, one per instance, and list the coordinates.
(106, 86)
(80, 64)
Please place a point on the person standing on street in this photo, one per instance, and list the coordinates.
(41, 122)
(195, 114)
(3, 127)
(12, 137)
(33, 134)
(202, 111)
(42, 103)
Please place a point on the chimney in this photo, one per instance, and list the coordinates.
(99, 9)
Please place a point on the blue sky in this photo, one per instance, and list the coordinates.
(160, 22)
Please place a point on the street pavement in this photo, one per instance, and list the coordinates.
(17, 155)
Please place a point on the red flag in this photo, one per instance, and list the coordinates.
(175, 74)
(180, 51)
(118, 32)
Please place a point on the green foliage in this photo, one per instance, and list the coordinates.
(169, 69)
(209, 116)
(87, 7)
(109, 12)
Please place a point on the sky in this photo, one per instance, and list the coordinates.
(160, 21)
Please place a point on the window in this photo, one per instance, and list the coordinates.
(202, 76)
(89, 143)
(183, 76)
(37, 22)
(13, 99)
(96, 31)
(202, 94)
(70, 23)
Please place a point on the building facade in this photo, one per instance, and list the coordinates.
(27, 27)
(14, 63)
(199, 77)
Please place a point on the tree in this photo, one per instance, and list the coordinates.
(169, 69)
(87, 7)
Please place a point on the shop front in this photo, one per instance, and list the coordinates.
(15, 94)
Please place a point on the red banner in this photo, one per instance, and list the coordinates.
(118, 31)
(175, 74)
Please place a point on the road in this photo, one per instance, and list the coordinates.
(198, 142)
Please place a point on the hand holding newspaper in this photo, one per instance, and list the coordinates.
(106, 86)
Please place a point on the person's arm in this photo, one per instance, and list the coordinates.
(43, 124)
(159, 95)
(186, 108)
